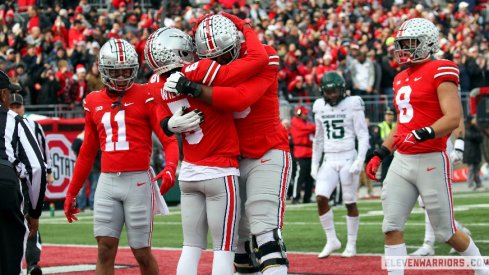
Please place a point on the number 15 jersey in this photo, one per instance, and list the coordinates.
(416, 100)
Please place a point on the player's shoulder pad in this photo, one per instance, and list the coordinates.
(356, 103)
(443, 68)
(317, 104)
(91, 97)
(273, 58)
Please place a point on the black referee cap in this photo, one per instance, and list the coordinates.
(16, 99)
(6, 84)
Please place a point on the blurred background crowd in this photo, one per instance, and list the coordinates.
(52, 51)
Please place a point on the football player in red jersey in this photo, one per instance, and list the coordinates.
(429, 109)
(209, 172)
(119, 120)
(266, 162)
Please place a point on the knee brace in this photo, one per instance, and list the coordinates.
(275, 246)
(246, 263)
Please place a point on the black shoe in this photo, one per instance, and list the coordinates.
(35, 270)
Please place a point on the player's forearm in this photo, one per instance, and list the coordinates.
(446, 124)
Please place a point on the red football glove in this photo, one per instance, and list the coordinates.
(240, 23)
(403, 141)
(372, 167)
(167, 177)
(70, 208)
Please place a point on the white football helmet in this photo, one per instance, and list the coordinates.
(416, 41)
(217, 35)
(118, 64)
(167, 49)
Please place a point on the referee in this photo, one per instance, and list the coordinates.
(18, 148)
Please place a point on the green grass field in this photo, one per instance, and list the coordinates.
(302, 231)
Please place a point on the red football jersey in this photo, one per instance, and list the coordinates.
(122, 129)
(254, 101)
(416, 100)
(215, 143)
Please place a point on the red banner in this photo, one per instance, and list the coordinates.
(60, 134)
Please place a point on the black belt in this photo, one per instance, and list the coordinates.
(6, 163)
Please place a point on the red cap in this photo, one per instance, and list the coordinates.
(122, 4)
(132, 18)
(78, 9)
(299, 110)
(80, 68)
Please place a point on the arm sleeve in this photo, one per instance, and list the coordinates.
(170, 145)
(361, 131)
(361, 127)
(242, 68)
(238, 98)
(86, 157)
(31, 157)
(317, 143)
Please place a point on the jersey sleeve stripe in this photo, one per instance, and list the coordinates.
(447, 68)
(149, 99)
(445, 73)
(209, 72)
(273, 63)
(214, 74)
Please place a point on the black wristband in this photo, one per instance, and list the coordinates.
(188, 87)
(49, 171)
(382, 152)
(424, 133)
(164, 126)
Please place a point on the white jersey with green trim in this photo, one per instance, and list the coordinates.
(338, 126)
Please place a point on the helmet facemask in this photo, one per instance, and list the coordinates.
(118, 79)
(411, 49)
(333, 95)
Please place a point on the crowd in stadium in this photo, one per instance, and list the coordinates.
(51, 51)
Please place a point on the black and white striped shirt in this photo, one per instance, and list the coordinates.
(41, 140)
(19, 147)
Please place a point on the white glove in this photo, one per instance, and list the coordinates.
(356, 167)
(171, 82)
(458, 151)
(180, 122)
(314, 170)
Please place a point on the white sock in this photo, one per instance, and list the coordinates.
(189, 260)
(276, 270)
(352, 227)
(473, 251)
(328, 225)
(397, 250)
(223, 263)
(429, 233)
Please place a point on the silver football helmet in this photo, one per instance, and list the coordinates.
(167, 49)
(217, 35)
(118, 64)
(416, 41)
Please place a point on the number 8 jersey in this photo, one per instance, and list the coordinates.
(338, 126)
(416, 100)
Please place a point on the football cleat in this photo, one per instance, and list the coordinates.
(329, 248)
(349, 252)
(424, 250)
